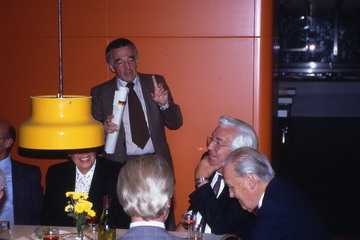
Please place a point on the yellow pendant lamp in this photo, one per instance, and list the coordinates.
(61, 122)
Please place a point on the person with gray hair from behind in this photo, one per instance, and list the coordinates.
(145, 188)
(281, 210)
(216, 211)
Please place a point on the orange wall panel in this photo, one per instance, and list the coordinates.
(28, 18)
(181, 18)
(84, 18)
(84, 64)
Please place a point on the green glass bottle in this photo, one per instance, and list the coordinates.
(107, 229)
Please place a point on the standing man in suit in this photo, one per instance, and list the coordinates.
(282, 212)
(155, 99)
(217, 211)
(23, 197)
(85, 173)
(145, 188)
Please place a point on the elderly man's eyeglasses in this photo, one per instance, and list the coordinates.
(211, 140)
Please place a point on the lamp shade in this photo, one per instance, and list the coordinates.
(60, 124)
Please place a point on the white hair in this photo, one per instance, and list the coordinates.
(144, 187)
(247, 160)
(246, 136)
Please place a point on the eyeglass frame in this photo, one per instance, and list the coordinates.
(4, 137)
(210, 140)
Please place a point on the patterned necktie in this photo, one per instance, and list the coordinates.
(217, 185)
(139, 130)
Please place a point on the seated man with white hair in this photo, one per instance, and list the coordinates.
(145, 188)
(282, 211)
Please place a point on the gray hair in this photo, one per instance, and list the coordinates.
(2, 181)
(246, 136)
(145, 185)
(119, 43)
(247, 160)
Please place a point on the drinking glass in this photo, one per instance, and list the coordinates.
(188, 219)
(51, 233)
(196, 232)
(92, 231)
(4, 230)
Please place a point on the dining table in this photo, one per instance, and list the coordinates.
(27, 232)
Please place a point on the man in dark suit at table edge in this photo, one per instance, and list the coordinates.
(23, 198)
(282, 211)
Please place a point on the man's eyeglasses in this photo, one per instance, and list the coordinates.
(216, 142)
(4, 137)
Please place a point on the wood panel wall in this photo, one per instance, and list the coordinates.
(215, 55)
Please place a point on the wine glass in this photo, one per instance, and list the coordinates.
(51, 233)
(187, 220)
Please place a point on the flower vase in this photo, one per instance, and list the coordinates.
(80, 233)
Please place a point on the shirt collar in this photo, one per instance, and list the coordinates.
(90, 172)
(122, 83)
(261, 200)
(147, 223)
(5, 162)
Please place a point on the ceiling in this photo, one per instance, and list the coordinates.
(316, 8)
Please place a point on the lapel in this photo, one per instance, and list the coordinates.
(97, 180)
(147, 88)
(110, 91)
(71, 178)
(19, 183)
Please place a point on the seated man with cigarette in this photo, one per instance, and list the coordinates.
(216, 211)
(145, 188)
(282, 211)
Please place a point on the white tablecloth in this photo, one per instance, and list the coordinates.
(24, 232)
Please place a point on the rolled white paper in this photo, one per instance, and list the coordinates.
(118, 109)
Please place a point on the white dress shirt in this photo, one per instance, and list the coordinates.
(7, 205)
(132, 148)
(147, 223)
(83, 181)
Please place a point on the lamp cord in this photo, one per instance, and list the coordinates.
(60, 52)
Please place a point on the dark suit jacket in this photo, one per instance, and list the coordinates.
(28, 193)
(148, 233)
(287, 215)
(223, 214)
(60, 178)
(102, 106)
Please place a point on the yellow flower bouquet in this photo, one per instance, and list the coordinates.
(80, 210)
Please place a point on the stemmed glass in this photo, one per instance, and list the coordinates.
(188, 219)
(51, 233)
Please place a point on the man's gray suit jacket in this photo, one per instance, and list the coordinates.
(148, 233)
(102, 106)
